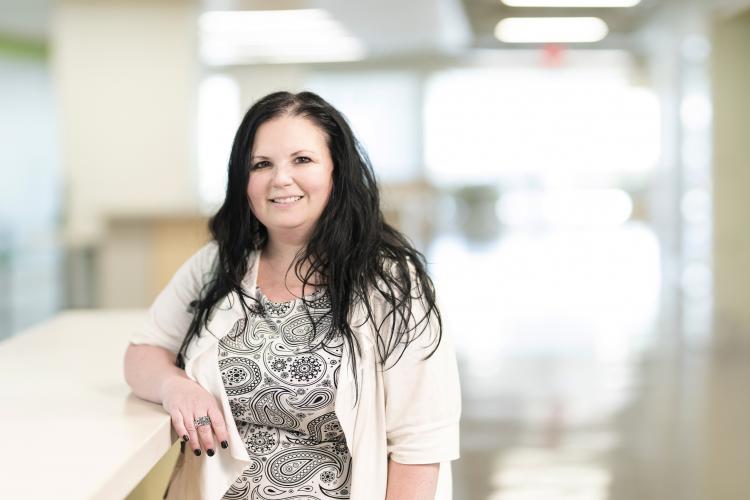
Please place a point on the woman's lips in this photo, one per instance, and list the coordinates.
(286, 200)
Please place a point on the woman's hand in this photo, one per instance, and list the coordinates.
(185, 401)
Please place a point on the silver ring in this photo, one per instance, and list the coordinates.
(202, 421)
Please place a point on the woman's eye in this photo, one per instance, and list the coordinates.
(261, 164)
(303, 159)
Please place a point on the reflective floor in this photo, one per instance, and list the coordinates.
(575, 382)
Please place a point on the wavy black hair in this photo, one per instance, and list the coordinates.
(352, 252)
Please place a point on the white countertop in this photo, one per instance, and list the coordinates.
(70, 427)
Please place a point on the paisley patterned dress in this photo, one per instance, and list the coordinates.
(282, 396)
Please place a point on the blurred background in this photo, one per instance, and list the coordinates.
(575, 171)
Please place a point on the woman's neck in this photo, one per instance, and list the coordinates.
(277, 273)
(281, 253)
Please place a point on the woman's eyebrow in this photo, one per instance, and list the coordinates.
(254, 157)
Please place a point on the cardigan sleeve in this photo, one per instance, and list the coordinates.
(169, 316)
(422, 396)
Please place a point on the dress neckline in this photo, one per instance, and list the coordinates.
(314, 295)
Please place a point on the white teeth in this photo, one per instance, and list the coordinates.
(289, 199)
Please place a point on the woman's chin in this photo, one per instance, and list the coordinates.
(288, 226)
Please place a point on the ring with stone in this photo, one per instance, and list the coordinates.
(202, 421)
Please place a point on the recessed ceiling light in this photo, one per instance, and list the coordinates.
(551, 29)
(571, 3)
(275, 36)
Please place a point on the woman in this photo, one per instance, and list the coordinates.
(304, 339)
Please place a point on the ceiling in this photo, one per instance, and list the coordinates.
(623, 23)
(394, 26)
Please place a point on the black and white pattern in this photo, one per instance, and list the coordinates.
(282, 397)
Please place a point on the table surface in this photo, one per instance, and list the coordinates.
(71, 428)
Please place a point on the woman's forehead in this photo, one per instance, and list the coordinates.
(287, 135)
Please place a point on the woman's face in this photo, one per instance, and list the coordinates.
(291, 176)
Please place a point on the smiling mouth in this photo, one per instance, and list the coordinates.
(288, 199)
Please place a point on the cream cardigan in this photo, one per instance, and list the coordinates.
(408, 413)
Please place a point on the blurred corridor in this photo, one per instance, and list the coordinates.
(581, 203)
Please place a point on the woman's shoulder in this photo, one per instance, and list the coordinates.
(400, 284)
(402, 307)
(206, 255)
(195, 270)
(204, 258)
(398, 276)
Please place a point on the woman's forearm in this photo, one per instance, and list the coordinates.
(148, 368)
(411, 481)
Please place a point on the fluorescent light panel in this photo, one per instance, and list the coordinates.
(571, 3)
(275, 36)
(551, 29)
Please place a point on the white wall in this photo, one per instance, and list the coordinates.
(126, 73)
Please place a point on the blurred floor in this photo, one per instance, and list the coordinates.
(575, 383)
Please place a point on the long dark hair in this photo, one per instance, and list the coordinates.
(352, 251)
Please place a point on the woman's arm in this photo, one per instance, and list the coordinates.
(150, 358)
(147, 368)
(422, 407)
(411, 482)
(151, 373)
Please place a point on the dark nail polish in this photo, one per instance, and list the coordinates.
(197, 453)
(185, 438)
(224, 445)
(210, 452)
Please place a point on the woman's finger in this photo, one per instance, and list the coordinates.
(193, 440)
(205, 435)
(219, 426)
(179, 425)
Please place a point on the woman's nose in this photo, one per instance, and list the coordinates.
(282, 175)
